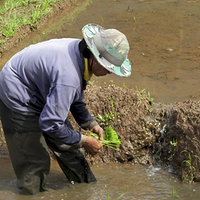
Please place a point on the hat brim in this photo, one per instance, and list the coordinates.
(88, 33)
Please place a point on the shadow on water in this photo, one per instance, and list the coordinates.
(165, 52)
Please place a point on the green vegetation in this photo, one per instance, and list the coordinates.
(174, 144)
(175, 193)
(24, 15)
(108, 198)
(17, 13)
(110, 136)
(141, 93)
(109, 116)
(190, 175)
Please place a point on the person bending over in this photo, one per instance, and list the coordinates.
(39, 86)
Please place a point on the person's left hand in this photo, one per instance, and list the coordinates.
(97, 129)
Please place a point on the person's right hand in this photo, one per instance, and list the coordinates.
(92, 145)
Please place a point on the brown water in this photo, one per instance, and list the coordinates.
(131, 182)
(164, 42)
(165, 52)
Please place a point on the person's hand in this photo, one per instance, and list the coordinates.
(92, 145)
(98, 130)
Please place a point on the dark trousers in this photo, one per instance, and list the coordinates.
(28, 149)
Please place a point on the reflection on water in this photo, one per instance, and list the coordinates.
(163, 37)
(165, 52)
(131, 182)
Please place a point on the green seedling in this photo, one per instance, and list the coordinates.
(148, 96)
(109, 116)
(174, 142)
(108, 198)
(150, 99)
(174, 193)
(124, 85)
(190, 175)
(14, 14)
(110, 136)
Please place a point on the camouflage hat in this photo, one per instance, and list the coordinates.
(110, 47)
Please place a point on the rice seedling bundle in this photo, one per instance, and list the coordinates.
(110, 136)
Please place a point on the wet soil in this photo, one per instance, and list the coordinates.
(150, 132)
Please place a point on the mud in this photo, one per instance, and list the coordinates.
(150, 132)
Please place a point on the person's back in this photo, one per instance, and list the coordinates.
(39, 86)
(29, 76)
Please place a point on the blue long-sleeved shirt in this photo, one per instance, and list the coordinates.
(46, 79)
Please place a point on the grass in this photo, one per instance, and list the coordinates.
(175, 193)
(17, 13)
(174, 144)
(109, 116)
(109, 198)
(192, 169)
(148, 96)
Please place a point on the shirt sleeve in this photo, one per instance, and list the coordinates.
(53, 116)
(81, 113)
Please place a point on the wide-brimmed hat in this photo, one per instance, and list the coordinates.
(110, 47)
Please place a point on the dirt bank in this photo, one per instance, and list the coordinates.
(150, 133)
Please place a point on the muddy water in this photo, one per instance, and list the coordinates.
(164, 42)
(165, 52)
(131, 182)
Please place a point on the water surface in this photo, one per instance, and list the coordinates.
(163, 37)
(165, 55)
(131, 182)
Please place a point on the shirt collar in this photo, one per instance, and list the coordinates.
(87, 73)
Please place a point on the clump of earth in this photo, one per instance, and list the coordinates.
(150, 133)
